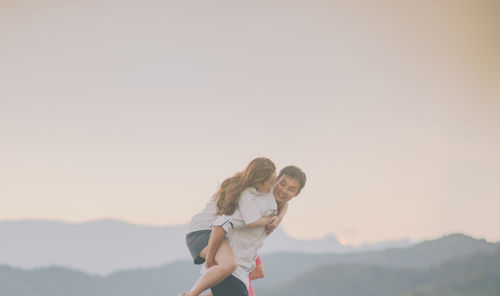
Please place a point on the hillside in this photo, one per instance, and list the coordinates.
(283, 266)
(473, 275)
(349, 274)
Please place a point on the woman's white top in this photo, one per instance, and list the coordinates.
(248, 210)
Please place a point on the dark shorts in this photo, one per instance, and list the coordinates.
(197, 241)
(231, 286)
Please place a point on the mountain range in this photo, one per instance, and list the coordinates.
(105, 246)
(469, 275)
(455, 265)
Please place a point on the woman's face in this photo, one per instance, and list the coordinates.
(267, 185)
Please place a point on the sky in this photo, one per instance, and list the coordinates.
(137, 110)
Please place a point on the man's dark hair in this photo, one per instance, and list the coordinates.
(294, 173)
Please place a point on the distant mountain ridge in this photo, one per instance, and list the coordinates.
(104, 246)
(472, 275)
(450, 266)
(284, 266)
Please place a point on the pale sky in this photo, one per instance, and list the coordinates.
(136, 110)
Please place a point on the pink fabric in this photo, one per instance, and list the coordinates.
(258, 261)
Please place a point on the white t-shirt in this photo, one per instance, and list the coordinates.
(251, 206)
(247, 209)
(205, 218)
(246, 241)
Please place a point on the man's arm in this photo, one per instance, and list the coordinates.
(257, 273)
(216, 237)
(282, 208)
(273, 223)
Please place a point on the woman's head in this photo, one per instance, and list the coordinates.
(266, 185)
(259, 173)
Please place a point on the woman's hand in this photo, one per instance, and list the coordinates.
(273, 223)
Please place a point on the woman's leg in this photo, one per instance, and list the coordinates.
(226, 264)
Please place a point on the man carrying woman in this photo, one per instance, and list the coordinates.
(247, 207)
(246, 241)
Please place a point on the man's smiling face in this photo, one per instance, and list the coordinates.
(286, 189)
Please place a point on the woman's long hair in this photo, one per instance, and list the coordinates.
(257, 172)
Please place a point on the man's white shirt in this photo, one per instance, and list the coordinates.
(246, 241)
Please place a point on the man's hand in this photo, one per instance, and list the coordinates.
(209, 262)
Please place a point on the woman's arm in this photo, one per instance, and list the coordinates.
(214, 242)
(262, 221)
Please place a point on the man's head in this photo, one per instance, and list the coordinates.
(291, 180)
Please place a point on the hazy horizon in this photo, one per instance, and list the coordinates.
(185, 225)
(137, 111)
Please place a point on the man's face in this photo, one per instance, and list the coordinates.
(286, 189)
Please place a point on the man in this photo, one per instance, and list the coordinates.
(246, 241)
(257, 273)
